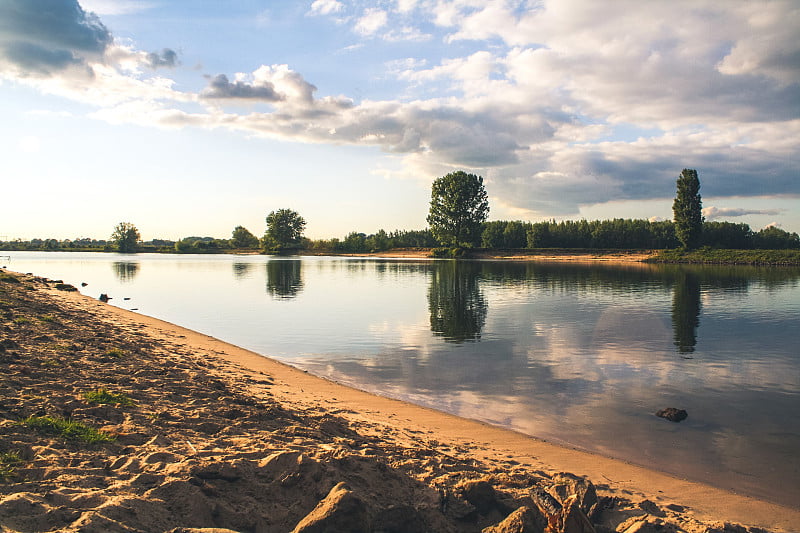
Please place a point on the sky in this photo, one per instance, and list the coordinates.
(191, 117)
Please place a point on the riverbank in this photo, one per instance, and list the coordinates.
(217, 436)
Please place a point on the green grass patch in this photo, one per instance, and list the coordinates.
(729, 257)
(115, 352)
(22, 320)
(47, 318)
(66, 429)
(103, 396)
(9, 461)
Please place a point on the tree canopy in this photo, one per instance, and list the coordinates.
(687, 209)
(459, 206)
(126, 237)
(284, 230)
(242, 238)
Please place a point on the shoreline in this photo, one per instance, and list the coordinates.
(444, 437)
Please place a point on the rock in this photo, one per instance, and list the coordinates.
(523, 520)
(480, 494)
(566, 485)
(672, 414)
(340, 512)
(84, 284)
(651, 508)
(549, 506)
(66, 287)
(574, 519)
(104, 297)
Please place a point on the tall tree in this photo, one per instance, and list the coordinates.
(284, 230)
(242, 238)
(459, 206)
(126, 237)
(687, 209)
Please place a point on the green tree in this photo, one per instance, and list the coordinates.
(459, 206)
(126, 237)
(284, 230)
(687, 209)
(242, 238)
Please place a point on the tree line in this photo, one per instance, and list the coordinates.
(457, 219)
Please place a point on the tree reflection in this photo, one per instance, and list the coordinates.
(456, 303)
(284, 279)
(125, 270)
(242, 270)
(686, 311)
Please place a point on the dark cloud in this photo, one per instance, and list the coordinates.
(46, 36)
(220, 87)
(167, 58)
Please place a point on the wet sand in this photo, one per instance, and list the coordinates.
(219, 436)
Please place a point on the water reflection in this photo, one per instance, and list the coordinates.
(242, 270)
(125, 271)
(686, 311)
(455, 301)
(284, 278)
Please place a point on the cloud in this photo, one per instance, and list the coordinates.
(371, 21)
(44, 37)
(325, 7)
(167, 58)
(220, 87)
(714, 213)
(116, 7)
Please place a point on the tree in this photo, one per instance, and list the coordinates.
(284, 230)
(126, 238)
(687, 209)
(459, 206)
(242, 238)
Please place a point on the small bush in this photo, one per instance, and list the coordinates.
(66, 429)
(103, 396)
(22, 320)
(115, 352)
(47, 318)
(8, 465)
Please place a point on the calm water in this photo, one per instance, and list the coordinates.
(576, 354)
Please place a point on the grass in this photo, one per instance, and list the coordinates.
(732, 257)
(115, 352)
(103, 396)
(8, 465)
(66, 429)
(22, 320)
(47, 318)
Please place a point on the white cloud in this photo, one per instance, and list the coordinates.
(116, 7)
(325, 7)
(714, 213)
(371, 21)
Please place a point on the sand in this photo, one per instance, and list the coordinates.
(221, 437)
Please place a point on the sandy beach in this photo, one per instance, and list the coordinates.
(205, 434)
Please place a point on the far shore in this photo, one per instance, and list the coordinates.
(192, 417)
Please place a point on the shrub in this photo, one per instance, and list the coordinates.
(66, 429)
(103, 396)
(8, 464)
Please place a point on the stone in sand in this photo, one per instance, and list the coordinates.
(340, 511)
(523, 520)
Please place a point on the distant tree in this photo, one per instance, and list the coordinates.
(284, 230)
(459, 206)
(126, 237)
(772, 238)
(242, 238)
(687, 209)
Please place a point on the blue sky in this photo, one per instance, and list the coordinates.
(192, 117)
